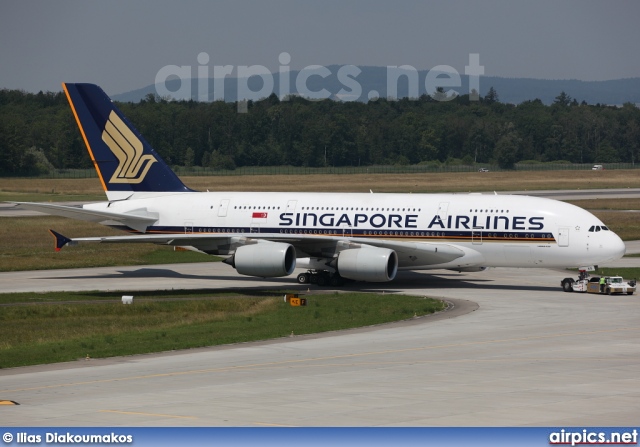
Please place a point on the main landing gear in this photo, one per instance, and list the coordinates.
(322, 278)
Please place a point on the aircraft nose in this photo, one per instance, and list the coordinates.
(616, 247)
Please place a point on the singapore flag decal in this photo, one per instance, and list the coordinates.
(259, 215)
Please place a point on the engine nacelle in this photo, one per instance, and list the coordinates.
(265, 260)
(368, 264)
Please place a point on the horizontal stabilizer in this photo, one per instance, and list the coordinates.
(138, 221)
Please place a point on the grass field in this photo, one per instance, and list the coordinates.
(73, 326)
(627, 273)
(26, 244)
(15, 189)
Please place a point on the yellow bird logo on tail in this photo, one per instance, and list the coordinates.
(132, 166)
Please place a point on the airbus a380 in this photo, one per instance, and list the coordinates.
(358, 236)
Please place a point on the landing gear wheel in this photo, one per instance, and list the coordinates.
(303, 278)
(322, 280)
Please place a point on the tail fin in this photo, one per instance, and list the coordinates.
(125, 162)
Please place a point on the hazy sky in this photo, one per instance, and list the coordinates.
(121, 45)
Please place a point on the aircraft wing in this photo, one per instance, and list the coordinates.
(418, 254)
(138, 219)
(410, 254)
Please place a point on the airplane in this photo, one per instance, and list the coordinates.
(335, 236)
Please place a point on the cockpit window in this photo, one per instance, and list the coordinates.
(592, 229)
(605, 228)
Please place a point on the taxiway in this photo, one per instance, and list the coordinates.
(519, 352)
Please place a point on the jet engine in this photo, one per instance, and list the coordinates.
(368, 264)
(265, 260)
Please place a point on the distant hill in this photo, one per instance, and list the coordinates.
(510, 90)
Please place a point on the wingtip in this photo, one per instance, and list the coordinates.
(60, 240)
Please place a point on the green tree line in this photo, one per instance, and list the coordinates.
(38, 132)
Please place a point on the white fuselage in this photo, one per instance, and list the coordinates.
(492, 230)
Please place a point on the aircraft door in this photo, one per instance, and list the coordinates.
(476, 235)
(443, 209)
(222, 208)
(563, 237)
(188, 228)
(291, 206)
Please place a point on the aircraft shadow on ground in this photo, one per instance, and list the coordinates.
(425, 281)
(166, 273)
(404, 281)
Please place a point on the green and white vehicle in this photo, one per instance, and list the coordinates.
(612, 284)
